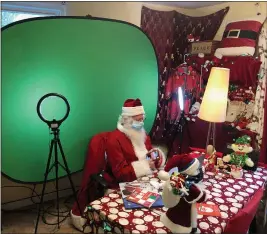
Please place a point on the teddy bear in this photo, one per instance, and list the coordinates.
(181, 195)
(240, 155)
(193, 112)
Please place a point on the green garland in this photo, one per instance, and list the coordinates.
(243, 140)
(239, 160)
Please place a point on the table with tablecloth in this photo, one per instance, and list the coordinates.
(230, 195)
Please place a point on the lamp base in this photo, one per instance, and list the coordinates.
(211, 137)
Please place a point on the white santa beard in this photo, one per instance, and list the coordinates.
(137, 138)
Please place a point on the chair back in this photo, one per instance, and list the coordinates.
(95, 163)
(240, 223)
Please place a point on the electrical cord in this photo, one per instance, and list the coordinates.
(44, 211)
(34, 194)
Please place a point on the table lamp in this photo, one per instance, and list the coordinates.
(214, 102)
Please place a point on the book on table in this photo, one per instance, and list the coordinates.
(140, 195)
(208, 209)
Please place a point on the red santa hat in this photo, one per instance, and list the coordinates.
(133, 107)
(186, 163)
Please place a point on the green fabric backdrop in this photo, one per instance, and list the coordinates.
(95, 63)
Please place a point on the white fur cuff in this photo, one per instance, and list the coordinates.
(141, 168)
(132, 111)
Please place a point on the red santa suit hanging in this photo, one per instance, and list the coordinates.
(128, 147)
(181, 217)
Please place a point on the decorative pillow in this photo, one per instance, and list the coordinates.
(240, 37)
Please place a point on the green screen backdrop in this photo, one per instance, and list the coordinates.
(95, 63)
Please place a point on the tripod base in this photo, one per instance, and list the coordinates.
(55, 143)
(183, 124)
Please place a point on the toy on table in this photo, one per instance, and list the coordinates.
(240, 155)
(236, 171)
(211, 158)
(181, 217)
(179, 185)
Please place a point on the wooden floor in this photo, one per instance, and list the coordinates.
(24, 221)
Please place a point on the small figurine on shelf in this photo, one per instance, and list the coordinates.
(224, 170)
(181, 217)
(211, 158)
(241, 148)
(190, 38)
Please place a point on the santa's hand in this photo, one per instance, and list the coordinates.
(151, 164)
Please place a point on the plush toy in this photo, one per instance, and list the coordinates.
(253, 124)
(211, 158)
(241, 148)
(193, 112)
(190, 38)
(181, 217)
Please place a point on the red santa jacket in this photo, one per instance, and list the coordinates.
(126, 162)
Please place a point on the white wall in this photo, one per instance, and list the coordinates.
(237, 11)
(126, 11)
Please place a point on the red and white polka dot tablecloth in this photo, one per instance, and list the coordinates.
(229, 194)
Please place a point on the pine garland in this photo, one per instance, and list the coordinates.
(239, 160)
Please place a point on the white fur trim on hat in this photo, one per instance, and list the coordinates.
(190, 170)
(201, 55)
(218, 55)
(236, 51)
(141, 168)
(132, 111)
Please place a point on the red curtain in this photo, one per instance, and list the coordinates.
(168, 32)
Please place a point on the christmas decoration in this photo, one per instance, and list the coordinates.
(181, 217)
(211, 158)
(193, 112)
(241, 148)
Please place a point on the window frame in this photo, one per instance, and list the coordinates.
(49, 8)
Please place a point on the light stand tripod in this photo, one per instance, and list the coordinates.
(182, 123)
(54, 144)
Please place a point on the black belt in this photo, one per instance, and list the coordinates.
(243, 34)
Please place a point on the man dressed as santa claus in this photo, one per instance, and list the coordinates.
(129, 150)
(130, 154)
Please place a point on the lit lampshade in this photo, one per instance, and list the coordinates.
(214, 103)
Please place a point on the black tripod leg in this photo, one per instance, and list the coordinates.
(181, 134)
(69, 176)
(56, 165)
(44, 185)
(188, 133)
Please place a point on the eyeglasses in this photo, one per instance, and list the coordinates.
(139, 118)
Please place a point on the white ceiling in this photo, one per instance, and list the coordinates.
(189, 4)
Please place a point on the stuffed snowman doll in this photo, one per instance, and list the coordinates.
(181, 216)
(241, 148)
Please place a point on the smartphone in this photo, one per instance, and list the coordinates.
(153, 155)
